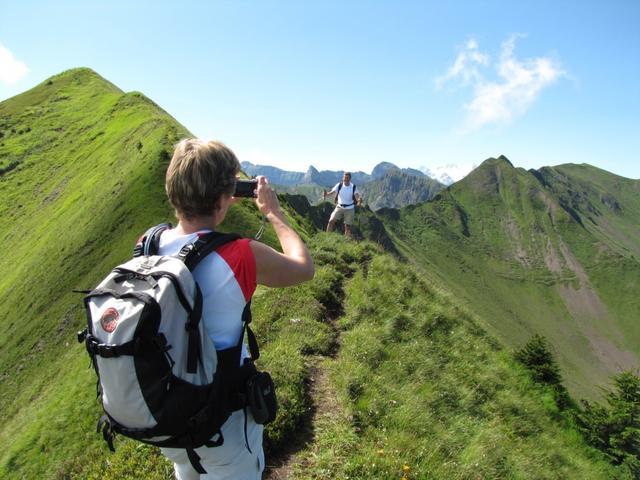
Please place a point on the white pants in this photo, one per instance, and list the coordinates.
(231, 460)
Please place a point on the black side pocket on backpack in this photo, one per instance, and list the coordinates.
(261, 398)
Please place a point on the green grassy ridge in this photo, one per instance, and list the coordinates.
(63, 205)
(90, 181)
(99, 186)
(486, 238)
(421, 384)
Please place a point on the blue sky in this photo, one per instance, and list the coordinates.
(348, 84)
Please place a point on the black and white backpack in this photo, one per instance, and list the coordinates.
(160, 378)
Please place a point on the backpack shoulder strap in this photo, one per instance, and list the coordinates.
(353, 192)
(149, 243)
(193, 253)
(338, 192)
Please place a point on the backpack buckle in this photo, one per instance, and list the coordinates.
(107, 351)
(186, 251)
(82, 336)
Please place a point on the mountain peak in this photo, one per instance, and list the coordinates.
(77, 72)
(381, 169)
(502, 158)
(68, 85)
(79, 76)
(490, 175)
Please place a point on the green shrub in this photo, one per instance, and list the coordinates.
(537, 357)
(615, 428)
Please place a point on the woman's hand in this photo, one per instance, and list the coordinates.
(266, 199)
(274, 269)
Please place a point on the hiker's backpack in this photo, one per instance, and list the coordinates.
(353, 193)
(160, 378)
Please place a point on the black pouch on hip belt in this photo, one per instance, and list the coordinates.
(261, 395)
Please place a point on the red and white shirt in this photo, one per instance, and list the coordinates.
(227, 279)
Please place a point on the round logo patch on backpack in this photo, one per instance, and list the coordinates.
(109, 320)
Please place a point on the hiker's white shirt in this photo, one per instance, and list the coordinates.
(345, 196)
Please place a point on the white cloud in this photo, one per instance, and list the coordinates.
(11, 70)
(516, 87)
(465, 65)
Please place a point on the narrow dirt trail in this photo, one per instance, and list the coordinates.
(322, 403)
(322, 400)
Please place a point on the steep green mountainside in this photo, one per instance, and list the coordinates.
(397, 189)
(551, 252)
(83, 178)
(380, 373)
(607, 205)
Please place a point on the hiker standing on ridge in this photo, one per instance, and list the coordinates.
(200, 184)
(347, 197)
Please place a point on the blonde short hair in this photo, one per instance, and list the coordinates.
(200, 172)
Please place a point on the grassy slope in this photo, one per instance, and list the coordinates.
(609, 208)
(88, 181)
(416, 382)
(502, 242)
(420, 384)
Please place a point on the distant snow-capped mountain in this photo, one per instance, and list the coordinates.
(448, 174)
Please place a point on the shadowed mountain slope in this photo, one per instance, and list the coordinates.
(387, 186)
(324, 178)
(395, 189)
